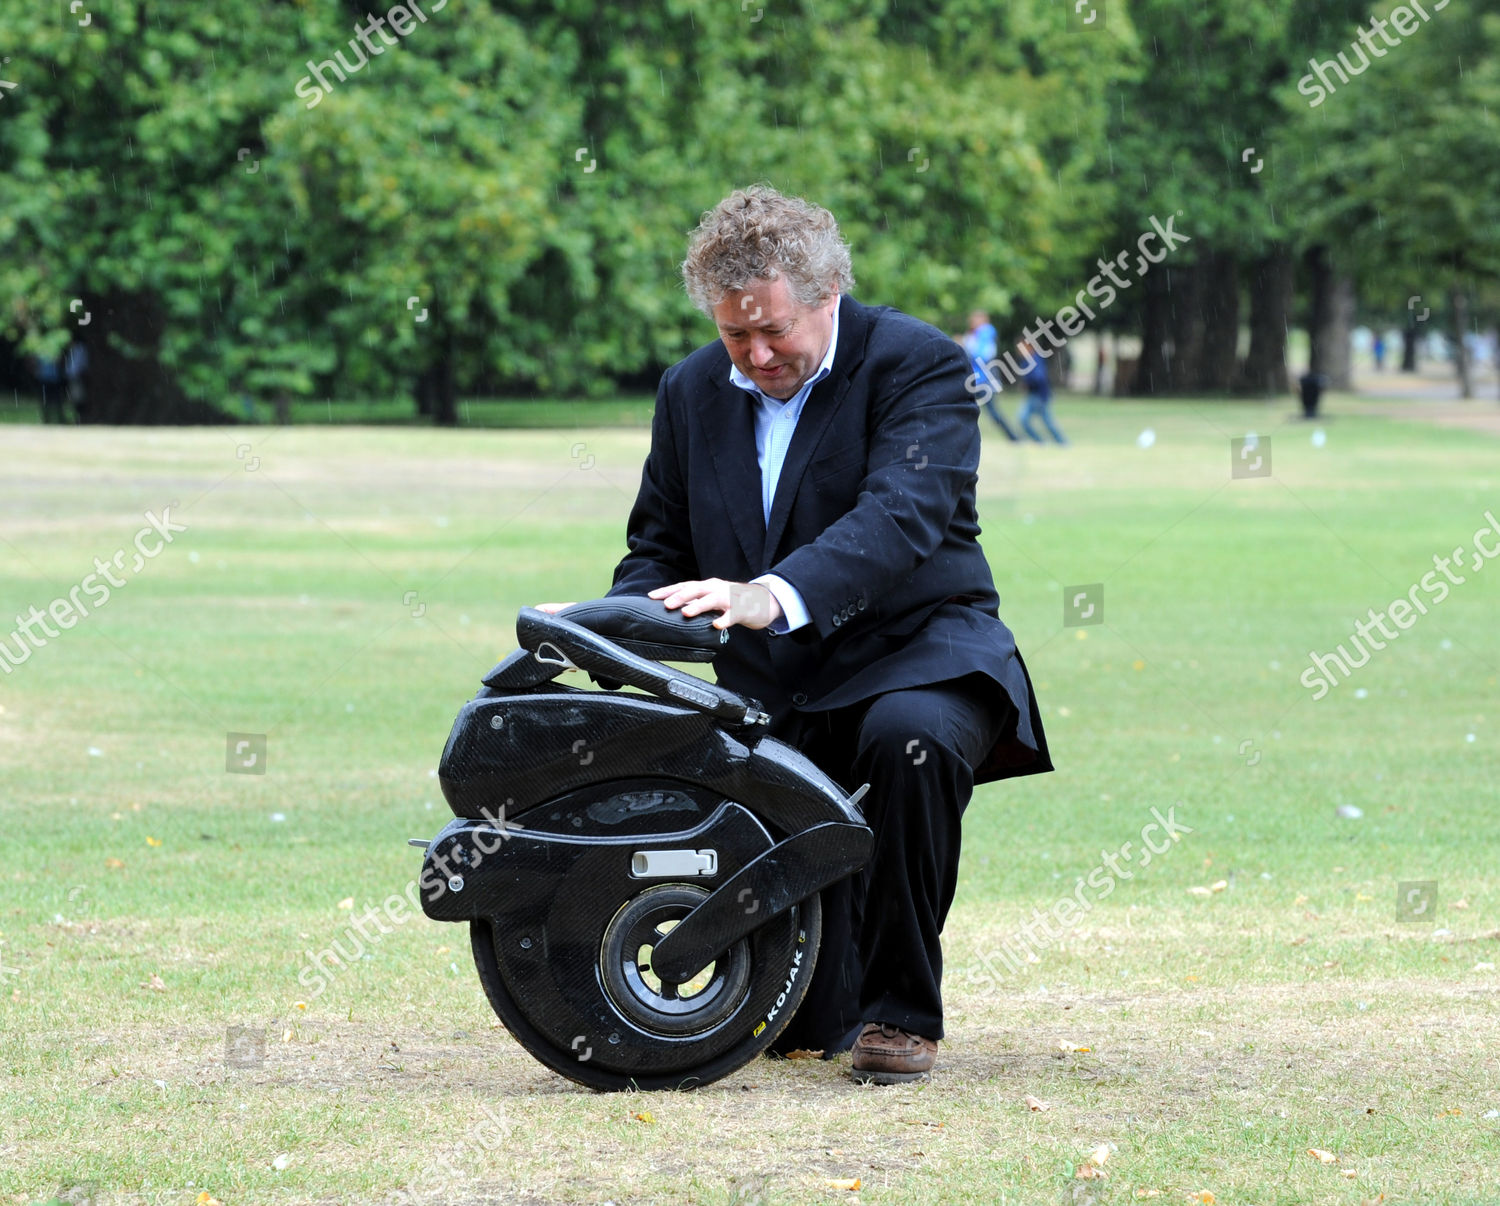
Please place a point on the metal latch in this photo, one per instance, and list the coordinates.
(672, 864)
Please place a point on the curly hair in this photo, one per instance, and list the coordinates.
(757, 233)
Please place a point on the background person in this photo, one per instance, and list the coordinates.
(983, 346)
(1038, 403)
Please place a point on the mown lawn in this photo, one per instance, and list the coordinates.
(340, 590)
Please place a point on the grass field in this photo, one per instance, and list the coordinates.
(340, 591)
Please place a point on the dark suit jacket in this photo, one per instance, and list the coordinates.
(873, 522)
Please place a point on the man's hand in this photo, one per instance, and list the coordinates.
(745, 603)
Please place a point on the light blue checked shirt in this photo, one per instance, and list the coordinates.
(775, 421)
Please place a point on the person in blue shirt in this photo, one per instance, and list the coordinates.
(49, 374)
(983, 346)
(1038, 402)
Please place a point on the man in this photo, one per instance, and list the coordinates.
(811, 478)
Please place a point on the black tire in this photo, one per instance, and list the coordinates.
(768, 957)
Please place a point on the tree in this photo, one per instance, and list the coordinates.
(1200, 133)
(1417, 215)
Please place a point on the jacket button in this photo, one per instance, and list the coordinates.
(837, 619)
(861, 605)
(799, 699)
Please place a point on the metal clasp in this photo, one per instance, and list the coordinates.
(673, 864)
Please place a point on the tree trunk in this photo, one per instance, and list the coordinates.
(1338, 344)
(126, 381)
(445, 409)
(1330, 318)
(1264, 371)
(1459, 301)
(1409, 344)
(1184, 304)
(1153, 370)
(1221, 321)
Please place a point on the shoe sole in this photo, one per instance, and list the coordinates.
(889, 1078)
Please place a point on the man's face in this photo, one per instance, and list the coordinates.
(772, 338)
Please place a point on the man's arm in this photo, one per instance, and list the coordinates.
(923, 456)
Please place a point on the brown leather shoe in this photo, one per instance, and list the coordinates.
(888, 1055)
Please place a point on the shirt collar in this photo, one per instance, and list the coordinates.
(824, 368)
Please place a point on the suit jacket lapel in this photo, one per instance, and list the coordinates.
(822, 403)
(730, 426)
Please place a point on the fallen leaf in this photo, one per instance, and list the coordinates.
(804, 1053)
(1375, 1201)
(1349, 1172)
(1219, 885)
(114, 863)
(1089, 1172)
(644, 1116)
(1072, 1048)
(1200, 890)
(207, 1199)
(1459, 904)
(1301, 899)
(151, 841)
(1035, 1106)
(1322, 1157)
(850, 1184)
(299, 1005)
(347, 903)
(1099, 1155)
(1204, 1195)
(155, 982)
(1298, 942)
(1148, 1193)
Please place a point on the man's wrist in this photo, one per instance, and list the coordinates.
(794, 614)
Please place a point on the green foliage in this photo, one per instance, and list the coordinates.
(527, 176)
(1398, 166)
(505, 193)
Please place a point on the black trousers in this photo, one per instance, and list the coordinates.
(880, 958)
